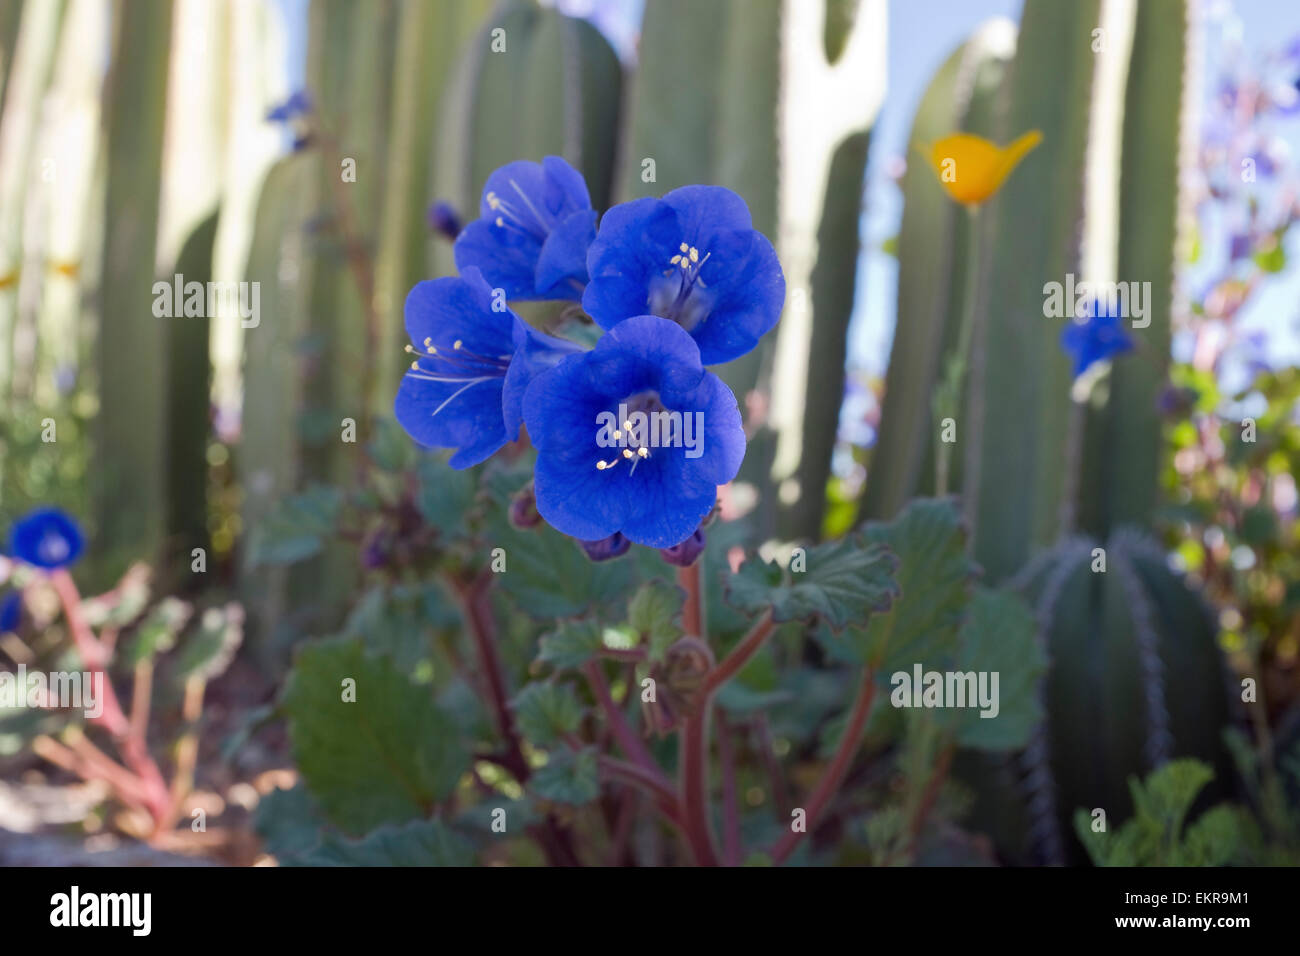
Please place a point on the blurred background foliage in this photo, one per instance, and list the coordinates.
(144, 138)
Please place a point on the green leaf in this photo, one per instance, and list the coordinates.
(571, 645)
(655, 614)
(398, 621)
(445, 494)
(390, 448)
(935, 576)
(998, 637)
(547, 712)
(387, 756)
(568, 777)
(289, 822)
(208, 653)
(297, 528)
(549, 576)
(843, 581)
(417, 843)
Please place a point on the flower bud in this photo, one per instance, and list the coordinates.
(523, 508)
(444, 220)
(606, 548)
(685, 554)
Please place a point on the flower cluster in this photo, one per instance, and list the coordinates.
(676, 284)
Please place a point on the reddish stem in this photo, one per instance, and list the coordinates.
(740, 654)
(628, 741)
(731, 850)
(656, 786)
(129, 741)
(693, 754)
(693, 609)
(475, 604)
(835, 771)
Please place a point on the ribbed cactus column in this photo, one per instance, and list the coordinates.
(934, 263)
(129, 460)
(1122, 452)
(1018, 407)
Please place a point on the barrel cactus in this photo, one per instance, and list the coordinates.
(1135, 679)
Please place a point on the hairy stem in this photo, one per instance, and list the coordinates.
(740, 654)
(835, 771)
(693, 746)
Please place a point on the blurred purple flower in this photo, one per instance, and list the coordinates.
(298, 104)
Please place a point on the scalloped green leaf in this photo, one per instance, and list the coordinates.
(998, 636)
(655, 614)
(568, 777)
(296, 528)
(387, 756)
(547, 712)
(935, 575)
(842, 581)
(571, 645)
(548, 575)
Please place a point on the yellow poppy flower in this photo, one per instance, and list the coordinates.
(972, 168)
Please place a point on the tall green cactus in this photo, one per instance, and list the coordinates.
(934, 231)
(132, 348)
(1122, 447)
(188, 415)
(1018, 408)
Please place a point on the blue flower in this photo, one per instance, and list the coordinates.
(298, 104)
(692, 257)
(1096, 338)
(536, 225)
(11, 611)
(465, 388)
(46, 538)
(633, 436)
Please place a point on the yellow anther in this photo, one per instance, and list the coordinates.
(432, 350)
(643, 452)
(500, 221)
(627, 453)
(415, 366)
(628, 424)
(675, 259)
(408, 349)
(427, 341)
(457, 344)
(601, 466)
(684, 247)
(493, 201)
(617, 434)
(695, 254)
